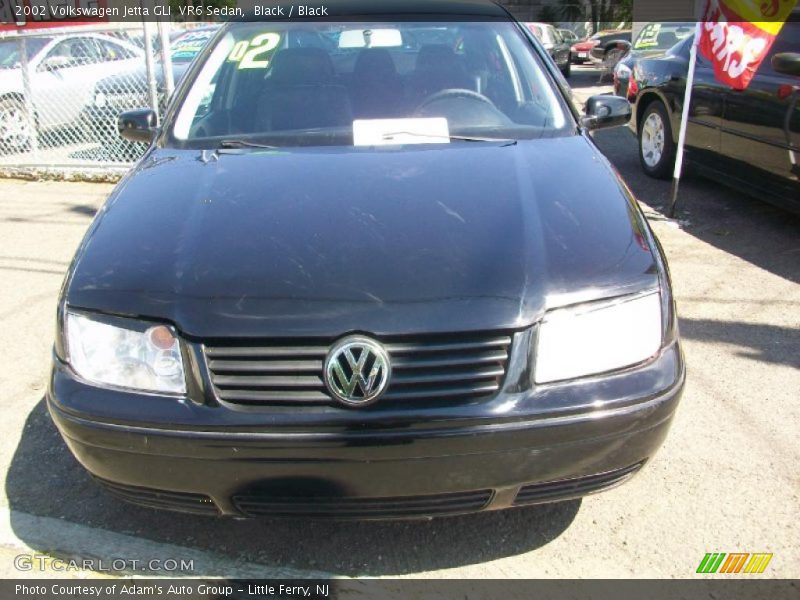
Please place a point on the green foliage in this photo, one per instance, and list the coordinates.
(572, 11)
(547, 14)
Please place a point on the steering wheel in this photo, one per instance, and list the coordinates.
(454, 93)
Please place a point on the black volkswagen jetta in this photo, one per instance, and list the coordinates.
(352, 277)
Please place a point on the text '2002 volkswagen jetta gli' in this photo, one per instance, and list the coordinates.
(353, 277)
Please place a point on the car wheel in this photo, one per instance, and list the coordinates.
(15, 130)
(567, 70)
(656, 146)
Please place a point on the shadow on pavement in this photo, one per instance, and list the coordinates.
(753, 230)
(589, 76)
(45, 480)
(762, 343)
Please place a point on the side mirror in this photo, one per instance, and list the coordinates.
(138, 125)
(54, 63)
(787, 63)
(606, 111)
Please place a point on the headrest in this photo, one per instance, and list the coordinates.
(374, 61)
(667, 39)
(437, 57)
(294, 66)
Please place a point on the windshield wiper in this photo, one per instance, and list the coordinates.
(461, 138)
(244, 144)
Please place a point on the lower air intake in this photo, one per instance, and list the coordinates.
(255, 504)
(573, 488)
(162, 499)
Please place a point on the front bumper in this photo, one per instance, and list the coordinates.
(544, 444)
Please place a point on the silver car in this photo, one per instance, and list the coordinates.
(63, 73)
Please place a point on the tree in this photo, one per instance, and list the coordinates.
(610, 13)
(547, 14)
(573, 11)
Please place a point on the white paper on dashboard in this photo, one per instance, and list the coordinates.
(392, 132)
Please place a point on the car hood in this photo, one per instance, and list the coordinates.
(324, 241)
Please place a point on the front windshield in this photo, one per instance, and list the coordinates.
(662, 36)
(289, 84)
(9, 51)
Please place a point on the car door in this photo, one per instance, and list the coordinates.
(706, 109)
(761, 128)
(60, 81)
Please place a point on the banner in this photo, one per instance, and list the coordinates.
(736, 35)
(24, 15)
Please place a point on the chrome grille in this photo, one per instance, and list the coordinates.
(435, 367)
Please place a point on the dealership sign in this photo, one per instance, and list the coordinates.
(736, 35)
(18, 15)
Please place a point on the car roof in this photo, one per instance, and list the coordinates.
(455, 8)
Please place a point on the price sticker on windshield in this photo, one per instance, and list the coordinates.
(252, 54)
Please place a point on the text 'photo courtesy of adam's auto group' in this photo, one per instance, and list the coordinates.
(409, 298)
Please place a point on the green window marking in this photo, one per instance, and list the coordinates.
(250, 54)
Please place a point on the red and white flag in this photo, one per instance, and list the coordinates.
(736, 35)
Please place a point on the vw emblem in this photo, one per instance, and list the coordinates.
(357, 371)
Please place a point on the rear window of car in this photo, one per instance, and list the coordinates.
(289, 84)
(189, 45)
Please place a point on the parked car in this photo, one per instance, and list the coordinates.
(136, 37)
(554, 43)
(569, 36)
(654, 39)
(747, 139)
(129, 89)
(63, 73)
(611, 47)
(305, 300)
(604, 46)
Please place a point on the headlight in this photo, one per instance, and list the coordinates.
(100, 100)
(128, 354)
(598, 337)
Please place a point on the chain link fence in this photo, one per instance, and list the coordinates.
(62, 90)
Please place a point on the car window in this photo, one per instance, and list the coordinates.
(662, 36)
(545, 33)
(9, 51)
(109, 51)
(184, 48)
(537, 30)
(557, 39)
(76, 52)
(471, 78)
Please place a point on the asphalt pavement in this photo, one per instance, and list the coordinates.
(726, 480)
